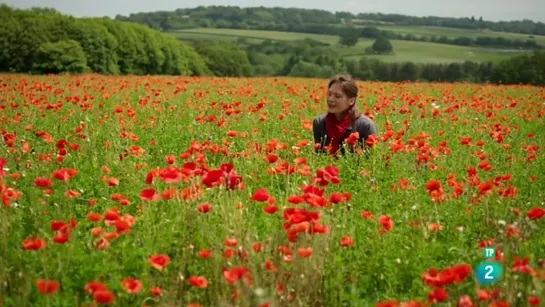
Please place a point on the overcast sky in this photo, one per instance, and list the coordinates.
(493, 10)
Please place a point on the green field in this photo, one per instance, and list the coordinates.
(453, 33)
(450, 32)
(418, 52)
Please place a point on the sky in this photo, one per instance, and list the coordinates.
(491, 10)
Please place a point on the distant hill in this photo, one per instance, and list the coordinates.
(287, 19)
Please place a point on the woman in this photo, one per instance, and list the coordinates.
(343, 117)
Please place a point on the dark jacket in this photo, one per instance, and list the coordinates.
(364, 125)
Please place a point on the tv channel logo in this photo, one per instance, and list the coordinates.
(489, 272)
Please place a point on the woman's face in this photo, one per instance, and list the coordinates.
(337, 101)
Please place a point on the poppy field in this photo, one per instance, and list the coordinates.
(193, 191)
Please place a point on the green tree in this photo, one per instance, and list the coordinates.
(59, 57)
(382, 45)
(290, 63)
(408, 72)
(370, 32)
(310, 70)
(196, 64)
(225, 59)
(31, 40)
(99, 45)
(348, 38)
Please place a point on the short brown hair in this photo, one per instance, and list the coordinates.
(348, 84)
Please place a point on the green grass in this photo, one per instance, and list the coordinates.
(450, 32)
(424, 52)
(418, 52)
(453, 33)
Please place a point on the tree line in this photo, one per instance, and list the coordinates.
(480, 41)
(41, 40)
(45, 41)
(291, 19)
(313, 59)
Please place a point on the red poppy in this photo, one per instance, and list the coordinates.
(270, 209)
(296, 199)
(536, 213)
(231, 242)
(205, 253)
(534, 300)
(271, 158)
(388, 304)
(327, 175)
(156, 291)
(104, 296)
(386, 222)
(465, 301)
(336, 198)
(305, 252)
(372, 140)
(149, 195)
(65, 174)
(235, 274)
(159, 261)
(198, 281)
(261, 195)
(132, 285)
(93, 286)
(438, 295)
(347, 241)
(367, 215)
(47, 286)
(43, 182)
(33, 243)
(204, 208)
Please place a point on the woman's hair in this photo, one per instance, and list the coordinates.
(350, 89)
(348, 85)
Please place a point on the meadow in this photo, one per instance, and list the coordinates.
(193, 191)
(454, 32)
(415, 51)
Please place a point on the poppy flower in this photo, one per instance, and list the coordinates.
(438, 295)
(43, 182)
(465, 301)
(149, 195)
(65, 174)
(261, 195)
(536, 213)
(156, 291)
(198, 281)
(233, 275)
(205, 253)
(347, 241)
(231, 242)
(93, 286)
(305, 252)
(386, 222)
(534, 300)
(372, 140)
(47, 286)
(131, 285)
(159, 261)
(33, 243)
(104, 296)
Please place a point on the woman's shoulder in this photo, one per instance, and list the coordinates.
(364, 122)
(319, 118)
(364, 119)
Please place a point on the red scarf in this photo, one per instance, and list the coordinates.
(336, 130)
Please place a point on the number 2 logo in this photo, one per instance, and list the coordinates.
(489, 270)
